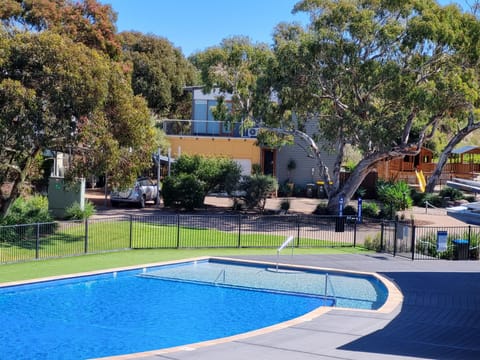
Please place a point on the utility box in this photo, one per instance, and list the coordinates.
(62, 194)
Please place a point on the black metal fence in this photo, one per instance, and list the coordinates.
(62, 239)
(429, 243)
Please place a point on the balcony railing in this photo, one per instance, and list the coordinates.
(206, 128)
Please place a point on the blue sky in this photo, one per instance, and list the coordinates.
(194, 25)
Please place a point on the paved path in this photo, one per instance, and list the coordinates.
(439, 318)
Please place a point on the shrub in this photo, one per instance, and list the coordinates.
(285, 205)
(373, 243)
(255, 190)
(321, 209)
(395, 196)
(28, 211)
(453, 194)
(370, 209)
(183, 191)
(433, 199)
(349, 210)
(74, 212)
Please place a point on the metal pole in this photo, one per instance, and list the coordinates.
(158, 179)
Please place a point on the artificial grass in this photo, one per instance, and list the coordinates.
(52, 267)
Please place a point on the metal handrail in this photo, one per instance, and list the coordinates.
(218, 277)
(285, 243)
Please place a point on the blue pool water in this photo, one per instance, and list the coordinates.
(119, 313)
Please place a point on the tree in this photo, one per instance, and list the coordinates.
(159, 73)
(86, 21)
(234, 67)
(47, 82)
(59, 95)
(381, 76)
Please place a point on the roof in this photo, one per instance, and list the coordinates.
(466, 149)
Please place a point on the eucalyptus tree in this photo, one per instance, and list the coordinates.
(235, 67)
(46, 84)
(380, 75)
(160, 73)
(63, 88)
(88, 21)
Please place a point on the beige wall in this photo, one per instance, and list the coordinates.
(243, 149)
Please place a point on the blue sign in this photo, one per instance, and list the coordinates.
(340, 205)
(441, 241)
(359, 212)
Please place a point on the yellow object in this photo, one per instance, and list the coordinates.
(421, 180)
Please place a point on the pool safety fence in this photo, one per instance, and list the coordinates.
(182, 231)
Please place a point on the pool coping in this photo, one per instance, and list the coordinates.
(394, 299)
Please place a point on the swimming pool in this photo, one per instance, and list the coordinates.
(151, 308)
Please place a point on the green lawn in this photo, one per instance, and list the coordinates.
(70, 265)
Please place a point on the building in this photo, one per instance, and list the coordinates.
(204, 135)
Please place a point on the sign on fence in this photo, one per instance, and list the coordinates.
(441, 240)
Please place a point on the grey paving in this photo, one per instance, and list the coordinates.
(439, 318)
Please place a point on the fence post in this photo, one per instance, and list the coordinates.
(239, 230)
(37, 242)
(131, 232)
(298, 230)
(413, 242)
(382, 229)
(86, 236)
(355, 233)
(178, 231)
(395, 239)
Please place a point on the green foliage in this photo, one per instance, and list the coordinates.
(160, 73)
(357, 64)
(28, 211)
(235, 67)
(215, 173)
(256, 169)
(395, 196)
(195, 176)
(370, 210)
(183, 191)
(449, 192)
(75, 212)
(255, 189)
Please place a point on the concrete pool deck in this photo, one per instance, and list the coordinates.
(439, 317)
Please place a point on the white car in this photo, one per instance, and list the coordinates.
(144, 190)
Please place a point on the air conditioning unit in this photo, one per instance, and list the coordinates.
(252, 132)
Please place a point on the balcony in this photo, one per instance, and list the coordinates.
(206, 128)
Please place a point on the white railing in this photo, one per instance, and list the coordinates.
(283, 246)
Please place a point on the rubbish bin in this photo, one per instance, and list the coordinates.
(321, 190)
(340, 224)
(310, 190)
(460, 249)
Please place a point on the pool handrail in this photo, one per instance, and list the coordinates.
(285, 243)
